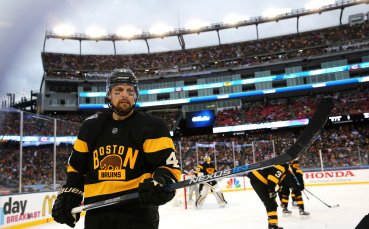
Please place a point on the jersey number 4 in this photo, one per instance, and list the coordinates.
(172, 160)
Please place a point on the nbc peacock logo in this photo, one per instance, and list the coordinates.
(233, 183)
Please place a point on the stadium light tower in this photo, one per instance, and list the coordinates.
(168, 31)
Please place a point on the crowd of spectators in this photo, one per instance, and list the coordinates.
(348, 102)
(340, 145)
(37, 166)
(302, 45)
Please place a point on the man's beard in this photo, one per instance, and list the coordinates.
(122, 111)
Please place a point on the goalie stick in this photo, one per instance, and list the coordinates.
(316, 123)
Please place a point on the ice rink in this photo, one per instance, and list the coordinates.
(245, 210)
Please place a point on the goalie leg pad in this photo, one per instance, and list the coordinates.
(203, 194)
(220, 199)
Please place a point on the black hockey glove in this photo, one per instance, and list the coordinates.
(300, 187)
(272, 195)
(151, 192)
(68, 198)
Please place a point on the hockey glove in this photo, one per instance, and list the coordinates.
(68, 198)
(151, 192)
(272, 195)
(301, 187)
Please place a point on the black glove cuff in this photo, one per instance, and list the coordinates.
(72, 190)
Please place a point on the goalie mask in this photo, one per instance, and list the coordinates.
(207, 159)
(121, 76)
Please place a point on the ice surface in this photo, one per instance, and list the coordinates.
(245, 210)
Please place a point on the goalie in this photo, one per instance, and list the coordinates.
(204, 169)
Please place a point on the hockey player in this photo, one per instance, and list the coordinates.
(296, 192)
(264, 182)
(119, 152)
(284, 191)
(204, 169)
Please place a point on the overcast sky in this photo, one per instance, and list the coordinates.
(23, 24)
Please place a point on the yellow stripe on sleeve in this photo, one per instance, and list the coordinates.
(80, 146)
(273, 178)
(281, 168)
(259, 176)
(154, 145)
(71, 169)
(176, 172)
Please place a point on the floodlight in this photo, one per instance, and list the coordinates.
(273, 12)
(95, 32)
(316, 4)
(195, 25)
(233, 19)
(160, 29)
(128, 31)
(63, 30)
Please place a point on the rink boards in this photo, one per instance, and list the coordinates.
(22, 210)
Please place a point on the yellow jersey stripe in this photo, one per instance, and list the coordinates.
(80, 146)
(70, 169)
(154, 145)
(259, 176)
(281, 168)
(273, 178)
(176, 172)
(110, 187)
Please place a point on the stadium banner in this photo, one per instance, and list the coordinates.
(26, 209)
(335, 177)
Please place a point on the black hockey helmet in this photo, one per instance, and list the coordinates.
(122, 76)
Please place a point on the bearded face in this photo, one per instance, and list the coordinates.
(123, 97)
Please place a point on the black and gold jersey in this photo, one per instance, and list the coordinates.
(113, 157)
(271, 176)
(206, 168)
(295, 166)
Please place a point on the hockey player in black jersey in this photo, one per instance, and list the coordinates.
(284, 191)
(204, 169)
(264, 182)
(119, 152)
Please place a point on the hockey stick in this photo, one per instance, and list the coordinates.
(204, 183)
(307, 137)
(300, 146)
(330, 206)
(306, 195)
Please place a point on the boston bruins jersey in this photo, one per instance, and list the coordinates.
(206, 168)
(272, 176)
(295, 166)
(112, 157)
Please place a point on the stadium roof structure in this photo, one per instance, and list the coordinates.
(216, 27)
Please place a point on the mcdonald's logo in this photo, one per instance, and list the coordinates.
(48, 204)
